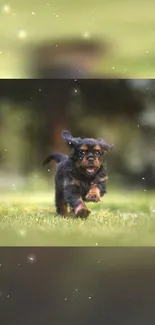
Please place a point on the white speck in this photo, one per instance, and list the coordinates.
(113, 68)
(8, 296)
(99, 262)
(153, 210)
(47, 4)
(49, 170)
(89, 297)
(96, 244)
(75, 79)
(0, 265)
(6, 9)
(33, 13)
(147, 52)
(147, 88)
(39, 89)
(76, 290)
(144, 190)
(18, 264)
(31, 258)
(56, 16)
(65, 298)
(143, 178)
(69, 142)
(75, 90)
(86, 35)
(0, 52)
(5, 150)
(138, 125)
(22, 34)
(22, 232)
(14, 187)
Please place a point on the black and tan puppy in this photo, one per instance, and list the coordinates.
(80, 176)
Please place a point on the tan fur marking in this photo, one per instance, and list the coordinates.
(81, 210)
(96, 148)
(93, 194)
(63, 208)
(103, 179)
(75, 182)
(84, 148)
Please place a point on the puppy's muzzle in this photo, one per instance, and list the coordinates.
(90, 159)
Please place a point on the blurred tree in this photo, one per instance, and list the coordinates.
(67, 58)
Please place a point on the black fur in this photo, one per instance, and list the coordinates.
(58, 157)
(81, 176)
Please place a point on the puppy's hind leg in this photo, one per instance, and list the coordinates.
(74, 200)
(61, 205)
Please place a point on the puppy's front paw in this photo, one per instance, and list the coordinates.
(93, 194)
(81, 211)
(93, 197)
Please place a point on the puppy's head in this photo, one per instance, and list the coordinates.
(88, 154)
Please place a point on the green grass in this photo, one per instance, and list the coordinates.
(29, 219)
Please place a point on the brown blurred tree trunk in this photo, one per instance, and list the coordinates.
(56, 130)
(53, 104)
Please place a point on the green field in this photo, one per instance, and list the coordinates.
(125, 218)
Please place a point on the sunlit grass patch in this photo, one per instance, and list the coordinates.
(120, 219)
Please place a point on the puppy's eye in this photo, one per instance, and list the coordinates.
(97, 153)
(82, 153)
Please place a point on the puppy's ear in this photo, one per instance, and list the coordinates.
(67, 137)
(106, 147)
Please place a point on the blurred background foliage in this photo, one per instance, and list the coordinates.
(127, 26)
(34, 112)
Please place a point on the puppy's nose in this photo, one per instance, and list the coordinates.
(90, 158)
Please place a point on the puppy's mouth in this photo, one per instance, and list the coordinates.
(91, 170)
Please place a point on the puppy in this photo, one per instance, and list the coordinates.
(81, 176)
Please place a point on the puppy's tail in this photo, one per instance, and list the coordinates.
(58, 157)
